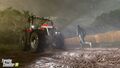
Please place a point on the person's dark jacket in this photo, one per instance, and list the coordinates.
(81, 31)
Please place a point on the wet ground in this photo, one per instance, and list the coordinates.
(101, 55)
(80, 58)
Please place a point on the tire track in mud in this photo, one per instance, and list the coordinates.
(80, 58)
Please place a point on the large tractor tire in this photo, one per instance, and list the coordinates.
(34, 42)
(37, 42)
(23, 42)
(55, 41)
(59, 41)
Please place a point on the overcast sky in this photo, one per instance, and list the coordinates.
(74, 12)
(68, 9)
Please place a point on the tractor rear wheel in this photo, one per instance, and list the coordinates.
(37, 42)
(34, 42)
(23, 42)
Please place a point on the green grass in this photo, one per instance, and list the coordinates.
(9, 48)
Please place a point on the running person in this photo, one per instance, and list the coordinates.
(81, 33)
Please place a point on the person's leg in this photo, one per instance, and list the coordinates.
(89, 43)
(81, 41)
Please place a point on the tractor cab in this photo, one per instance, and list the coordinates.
(40, 23)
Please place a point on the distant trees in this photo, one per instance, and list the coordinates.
(107, 21)
(12, 22)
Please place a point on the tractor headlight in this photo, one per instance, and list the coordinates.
(33, 26)
(57, 33)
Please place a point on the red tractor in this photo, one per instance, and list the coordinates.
(39, 34)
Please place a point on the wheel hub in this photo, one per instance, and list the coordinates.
(34, 43)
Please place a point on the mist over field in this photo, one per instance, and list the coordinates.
(68, 11)
(100, 19)
(95, 16)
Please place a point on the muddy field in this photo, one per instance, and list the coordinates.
(74, 57)
(101, 55)
(80, 58)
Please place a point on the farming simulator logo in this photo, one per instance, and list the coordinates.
(8, 63)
